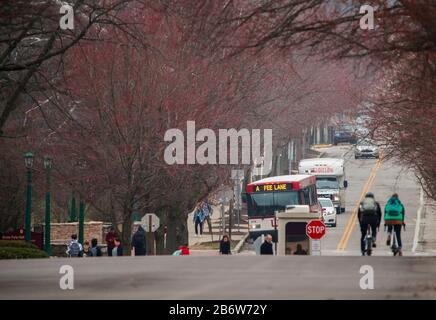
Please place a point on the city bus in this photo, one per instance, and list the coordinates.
(267, 196)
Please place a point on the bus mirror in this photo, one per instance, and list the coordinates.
(244, 197)
(345, 184)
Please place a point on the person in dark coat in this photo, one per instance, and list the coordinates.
(267, 247)
(138, 242)
(300, 250)
(225, 245)
(95, 249)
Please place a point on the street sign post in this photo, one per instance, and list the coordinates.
(238, 177)
(315, 229)
(150, 223)
(316, 248)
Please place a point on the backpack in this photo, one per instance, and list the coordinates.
(369, 207)
(74, 249)
(394, 210)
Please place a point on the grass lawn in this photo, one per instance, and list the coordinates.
(211, 245)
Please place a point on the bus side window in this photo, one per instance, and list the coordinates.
(313, 195)
(307, 196)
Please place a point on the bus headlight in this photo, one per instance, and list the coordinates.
(336, 198)
(255, 226)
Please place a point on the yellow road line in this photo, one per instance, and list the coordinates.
(342, 245)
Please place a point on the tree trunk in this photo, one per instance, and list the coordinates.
(159, 235)
(126, 234)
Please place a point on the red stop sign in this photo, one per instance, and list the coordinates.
(315, 229)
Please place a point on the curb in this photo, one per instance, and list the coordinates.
(240, 243)
(322, 146)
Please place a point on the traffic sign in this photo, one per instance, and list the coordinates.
(316, 248)
(150, 218)
(315, 229)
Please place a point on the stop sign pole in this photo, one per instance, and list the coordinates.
(315, 230)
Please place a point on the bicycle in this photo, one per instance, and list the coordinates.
(368, 241)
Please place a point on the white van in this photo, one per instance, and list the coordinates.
(330, 178)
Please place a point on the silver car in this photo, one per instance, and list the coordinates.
(366, 149)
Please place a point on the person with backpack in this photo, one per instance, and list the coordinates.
(74, 248)
(95, 249)
(138, 242)
(394, 219)
(369, 214)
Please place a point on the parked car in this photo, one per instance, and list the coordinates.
(345, 134)
(366, 149)
(328, 211)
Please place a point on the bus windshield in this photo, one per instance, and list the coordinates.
(326, 183)
(265, 204)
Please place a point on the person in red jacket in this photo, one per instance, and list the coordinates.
(185, 250)
(110, 241)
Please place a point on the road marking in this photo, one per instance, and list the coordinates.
(342, 245)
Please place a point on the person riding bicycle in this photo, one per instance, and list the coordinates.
(394, 219)
(369, 214)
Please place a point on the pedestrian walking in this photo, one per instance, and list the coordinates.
(267, 247)
(110, 237)
(207, 212)
(138, 242)
(95, 249)
(117, 250)
(225, 245)
(198, 220)
(74, 248)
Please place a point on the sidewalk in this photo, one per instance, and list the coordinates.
(203, 245)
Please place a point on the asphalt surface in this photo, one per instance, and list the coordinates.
(388, 178)
(233, 277)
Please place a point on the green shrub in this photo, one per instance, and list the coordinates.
(17, 244)
(21, 253)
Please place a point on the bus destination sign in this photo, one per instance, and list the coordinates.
(273, 187)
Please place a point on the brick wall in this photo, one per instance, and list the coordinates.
(61, 232)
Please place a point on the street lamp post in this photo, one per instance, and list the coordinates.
(47, 241)
(73, 212)
(28, 160)
(81, 220)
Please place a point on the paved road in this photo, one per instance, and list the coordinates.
(233, 277)
(386, 179)
(383, 179)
